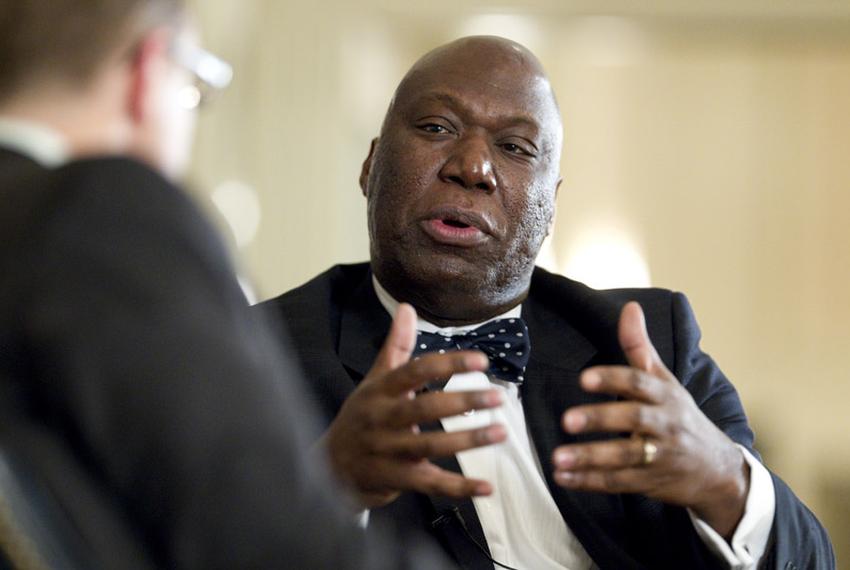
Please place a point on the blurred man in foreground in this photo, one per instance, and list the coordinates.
(626, 448)
(126, 341)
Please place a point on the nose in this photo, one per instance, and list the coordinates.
(470, 165)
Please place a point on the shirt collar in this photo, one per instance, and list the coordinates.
(34, 140)
(391, 305)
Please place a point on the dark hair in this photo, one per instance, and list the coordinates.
(68, 40)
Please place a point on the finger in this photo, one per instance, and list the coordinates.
(607, 455)
(399, 343)
(422, 476)
(432, 480)
(433, 406)
(631, 480)
(431, 367)
(635, 342)
(438, 443)
(630, 383)
(612, 418)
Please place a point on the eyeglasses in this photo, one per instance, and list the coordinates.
(210, 74)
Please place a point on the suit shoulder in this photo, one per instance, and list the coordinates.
(318, 295)
(557, 287)
(597, 311)
(311, 314)
(123, 183)
(127, 217)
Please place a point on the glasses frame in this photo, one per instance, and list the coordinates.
(210, 74)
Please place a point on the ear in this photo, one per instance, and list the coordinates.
(145, 68)
(367, 168)
(551, 224)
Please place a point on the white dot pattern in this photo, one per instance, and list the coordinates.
(493, 339)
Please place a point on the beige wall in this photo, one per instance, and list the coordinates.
(714, 136)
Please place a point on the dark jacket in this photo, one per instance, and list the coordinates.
(337, 326)
(127, 342)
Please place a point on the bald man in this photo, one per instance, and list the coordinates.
(625, 446)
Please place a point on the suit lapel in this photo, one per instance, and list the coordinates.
(559, 352)
(364, 324)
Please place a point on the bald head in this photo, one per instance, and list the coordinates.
(461, 183)
(494, 63)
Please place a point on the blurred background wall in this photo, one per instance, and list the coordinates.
(707, 150)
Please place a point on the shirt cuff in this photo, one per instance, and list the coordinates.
(749, 542)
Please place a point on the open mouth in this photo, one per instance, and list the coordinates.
(456, 227)
(455, 223)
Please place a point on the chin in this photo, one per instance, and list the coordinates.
(453, 283)
(451, 288)
(422, 270)
(452, 270)
(426, 275)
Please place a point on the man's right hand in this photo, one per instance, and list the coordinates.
(374, 444)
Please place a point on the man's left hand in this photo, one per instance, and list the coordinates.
(675, 454)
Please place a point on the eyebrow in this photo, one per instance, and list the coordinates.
(456, 103)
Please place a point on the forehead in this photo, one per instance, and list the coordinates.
(495, 87)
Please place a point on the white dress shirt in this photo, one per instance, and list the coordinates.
(33, 140)
(521, 522)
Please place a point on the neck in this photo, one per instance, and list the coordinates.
(448, 305)
(448, 321)
(86, 124)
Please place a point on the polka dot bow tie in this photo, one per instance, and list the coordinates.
(504, 341)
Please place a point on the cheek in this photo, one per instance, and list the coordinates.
(174, 128)
(534, 213)
(177, 143)
(397, 184)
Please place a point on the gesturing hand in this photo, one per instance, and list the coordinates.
(374, 443)
(676, 454)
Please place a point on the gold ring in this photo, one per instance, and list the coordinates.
(650, 450)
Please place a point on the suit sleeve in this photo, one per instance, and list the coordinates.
(147, 360)
(797, 539)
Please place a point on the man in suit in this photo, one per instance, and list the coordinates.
(626, 447)
(128, 355)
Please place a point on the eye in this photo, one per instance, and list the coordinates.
(434, 128)
(514, 148)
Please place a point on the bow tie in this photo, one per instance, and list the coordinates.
(504, 341)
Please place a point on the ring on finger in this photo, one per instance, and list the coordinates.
(648, 448)
(650, 451)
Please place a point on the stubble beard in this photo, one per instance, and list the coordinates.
(452, 289)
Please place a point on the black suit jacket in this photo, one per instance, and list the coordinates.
(338, 325)
(126, 342)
